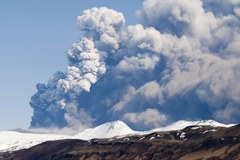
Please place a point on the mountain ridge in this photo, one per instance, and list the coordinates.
(193, 142)
(13, 140)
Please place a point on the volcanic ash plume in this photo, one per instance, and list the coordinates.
(182, 62)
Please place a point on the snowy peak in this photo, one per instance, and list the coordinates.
(115, 124)
(212, 123)
(183, 124)
(106, 130)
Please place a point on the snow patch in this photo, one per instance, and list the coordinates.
(182, 135)
(152, 138)
(195, 128)
(210, 130)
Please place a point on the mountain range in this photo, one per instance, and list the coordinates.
(202, 140)
(20, 139)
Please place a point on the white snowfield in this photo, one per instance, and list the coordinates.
(13, 140)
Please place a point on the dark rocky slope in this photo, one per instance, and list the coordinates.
(191, 143)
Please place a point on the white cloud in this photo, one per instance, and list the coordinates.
(139, 62)
(178, 17)
(228, 113)
(106, 22)
(151, 90)
(77, 119)
(86, 64)
(125, 99)
(149, 117)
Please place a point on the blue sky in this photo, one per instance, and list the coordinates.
(34, 37)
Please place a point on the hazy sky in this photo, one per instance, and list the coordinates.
(34, 37)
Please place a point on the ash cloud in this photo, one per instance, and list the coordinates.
(181, 62)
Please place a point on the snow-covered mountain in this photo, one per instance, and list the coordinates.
(183, 124)
(106, 130)
(14, 140)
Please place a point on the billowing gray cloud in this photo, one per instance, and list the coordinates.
(150, 117)
(182, 62)
(103, 25)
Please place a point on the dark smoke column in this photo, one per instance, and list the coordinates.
(57, 103)
(48, 113)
